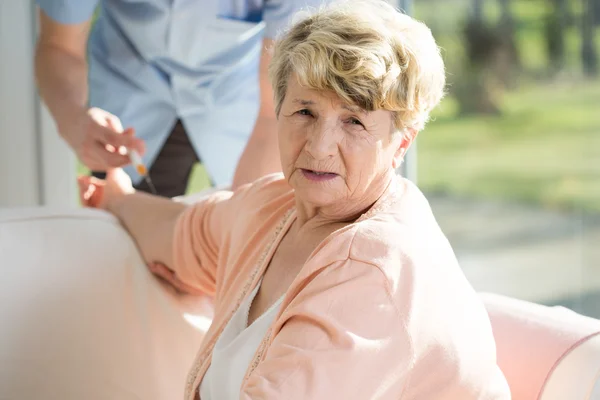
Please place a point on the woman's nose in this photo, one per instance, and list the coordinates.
(322, 140)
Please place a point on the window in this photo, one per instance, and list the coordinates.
(511, 161)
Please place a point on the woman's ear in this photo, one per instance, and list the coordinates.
(407, 138)
(398, 158)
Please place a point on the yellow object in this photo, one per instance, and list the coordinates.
(141, 169)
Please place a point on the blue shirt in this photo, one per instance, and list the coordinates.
(154, 61)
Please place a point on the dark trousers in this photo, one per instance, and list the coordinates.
(171, 169)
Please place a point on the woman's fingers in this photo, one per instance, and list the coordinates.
(90, 190)
(184, 288)
(161, 271)
(85, 189)
(166, 274)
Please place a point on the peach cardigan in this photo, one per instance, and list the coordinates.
(380, 310)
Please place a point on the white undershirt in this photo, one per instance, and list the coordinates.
(234, 350)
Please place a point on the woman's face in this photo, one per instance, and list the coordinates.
(333, 153)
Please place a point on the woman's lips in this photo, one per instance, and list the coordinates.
(318, 176)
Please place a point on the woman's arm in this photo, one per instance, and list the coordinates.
(150, 220)
(180, 243)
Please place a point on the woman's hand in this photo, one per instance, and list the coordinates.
(164, 273)
(104, 193)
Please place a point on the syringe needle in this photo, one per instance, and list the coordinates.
(141, 169)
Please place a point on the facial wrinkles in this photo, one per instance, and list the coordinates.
(361, 176)
(379, 172)
(357, 154)
(322, 147)
(354, 204)
(361, 182)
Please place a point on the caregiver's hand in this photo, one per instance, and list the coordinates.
(104, 193)
(99, 140)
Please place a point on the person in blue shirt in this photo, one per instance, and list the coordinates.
(188, 79)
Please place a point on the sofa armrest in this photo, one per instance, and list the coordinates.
(81, 315)
(546, 353)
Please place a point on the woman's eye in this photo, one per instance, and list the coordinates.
(354, 121)
(304, 111)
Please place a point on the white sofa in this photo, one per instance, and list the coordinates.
(82, 318)
(546, 353)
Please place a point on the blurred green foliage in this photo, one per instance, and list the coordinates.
(544, 146)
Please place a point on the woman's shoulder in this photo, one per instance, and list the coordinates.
(398, 251)
(406, 244)
(403, 241)
(397, 228)
(268, 190)
(401, 225)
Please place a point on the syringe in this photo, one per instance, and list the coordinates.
(141, 169)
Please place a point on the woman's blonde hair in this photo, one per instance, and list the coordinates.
(369, 54)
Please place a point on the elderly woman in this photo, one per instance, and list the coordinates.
(333, 280)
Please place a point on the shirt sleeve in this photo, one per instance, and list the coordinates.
(278, 14)
(198, 235)
(342, 338)
(68, 11)
(202, 231)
